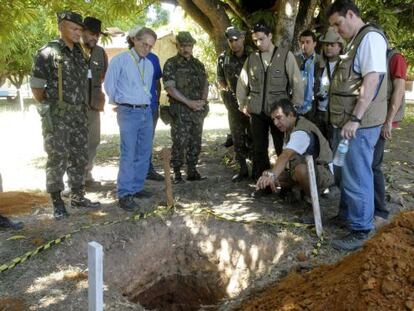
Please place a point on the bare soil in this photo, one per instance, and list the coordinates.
(188, 259)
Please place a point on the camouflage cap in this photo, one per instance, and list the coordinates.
(184, 37)
(70, 16)
(331, 36)
(233, 33)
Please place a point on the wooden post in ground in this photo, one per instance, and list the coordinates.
(314, 195)
(166, 156)
(95, 276)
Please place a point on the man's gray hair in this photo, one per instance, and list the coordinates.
(138, 32)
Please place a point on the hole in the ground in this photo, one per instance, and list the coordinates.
(181, 292)
(176, 276)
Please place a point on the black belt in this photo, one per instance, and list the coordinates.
(134, 106)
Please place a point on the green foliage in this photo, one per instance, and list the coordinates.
(396, 18)
(27, 25)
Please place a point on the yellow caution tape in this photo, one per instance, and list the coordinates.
(157, 212)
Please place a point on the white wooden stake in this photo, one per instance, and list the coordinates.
(314, 195)
(95, 276)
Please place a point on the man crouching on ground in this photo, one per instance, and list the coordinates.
(301, 138)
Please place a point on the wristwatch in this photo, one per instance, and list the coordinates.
(354, 118)
(272, 175)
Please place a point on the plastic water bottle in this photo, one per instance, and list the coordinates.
(340, 153)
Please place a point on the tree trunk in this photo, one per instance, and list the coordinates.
(286, 11)
(212, 17)
(305, 19)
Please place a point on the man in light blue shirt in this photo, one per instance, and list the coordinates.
(306, 61)
(128, 84)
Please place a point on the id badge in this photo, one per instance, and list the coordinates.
(89, 74)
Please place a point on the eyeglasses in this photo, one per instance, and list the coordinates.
(145, 45)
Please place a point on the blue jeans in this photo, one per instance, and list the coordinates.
(135, 128)
(357, 180)
(379, 183)
(154, 123)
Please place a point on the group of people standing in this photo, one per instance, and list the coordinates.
(67, 79)
(309, 102)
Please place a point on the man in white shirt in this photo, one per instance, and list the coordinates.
(301, 138)
(358, 106)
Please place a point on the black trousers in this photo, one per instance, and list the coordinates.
(260, 125)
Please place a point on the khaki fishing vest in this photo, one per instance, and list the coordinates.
(345, 88)
(267, 86)
(400, 113)
(97, 66)
(325, 153)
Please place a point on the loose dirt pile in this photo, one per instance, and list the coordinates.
(379, 277)
(19, 203)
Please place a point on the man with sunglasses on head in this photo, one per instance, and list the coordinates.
(268, 75)
(229, 65)
(128, 85)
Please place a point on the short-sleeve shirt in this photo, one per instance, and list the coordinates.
(74, 72)
(188, 76)
(371, 55)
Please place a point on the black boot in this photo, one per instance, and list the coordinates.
(229, 141)
(78, 199)
(243, 172)
(178, 179)
(7, 223)
(193, 174)
(59, 210)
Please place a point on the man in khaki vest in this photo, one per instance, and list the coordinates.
(358, 105)
(98, 63)
(332, 46)
(267, 76)
(301, 137)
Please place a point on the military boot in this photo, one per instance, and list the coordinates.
(177, 176)
(59, 210)
(193, 174)
(78, 199)
(243, 172)
(8, 224)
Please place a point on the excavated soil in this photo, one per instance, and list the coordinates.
(379, 277)
(14, 203)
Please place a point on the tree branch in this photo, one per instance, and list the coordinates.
(239, 11)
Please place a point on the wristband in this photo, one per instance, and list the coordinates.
(354, 118)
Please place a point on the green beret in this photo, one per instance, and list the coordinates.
(184, 37)
(70, 16)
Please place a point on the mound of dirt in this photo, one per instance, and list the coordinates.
(19, 203)
(379, 277)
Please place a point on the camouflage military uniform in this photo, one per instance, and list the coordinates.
(64, 123)
(229, 67)
(189, 77)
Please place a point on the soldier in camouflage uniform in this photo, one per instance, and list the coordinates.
(185, 81)
(58, 82)
(229, 66)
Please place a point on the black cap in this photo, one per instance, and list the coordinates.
(93, 25)
(234, 33)
(70, 16)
